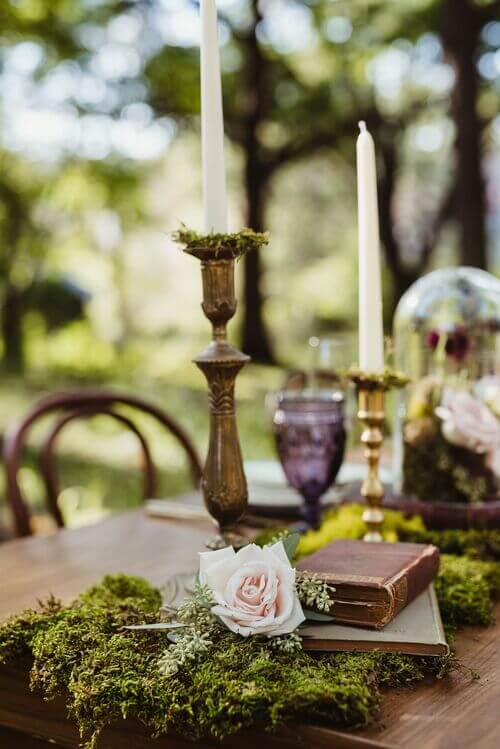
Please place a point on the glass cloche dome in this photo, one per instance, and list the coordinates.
(447, 425)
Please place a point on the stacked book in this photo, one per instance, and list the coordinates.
(383, 598)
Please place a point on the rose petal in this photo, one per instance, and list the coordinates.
(240, 617)
(467, 422)
(296, 617)
(218, 574)
(237, 628)
(249, 553)
(207, 558)
(285, 570)
(256, 570)
(279, 549)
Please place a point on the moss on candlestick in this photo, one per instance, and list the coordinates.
(389, 379)
(236, 244)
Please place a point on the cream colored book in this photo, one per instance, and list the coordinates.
(417, 630)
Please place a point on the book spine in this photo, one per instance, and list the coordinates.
(410, 582)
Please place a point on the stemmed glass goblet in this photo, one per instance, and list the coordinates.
(310, 439)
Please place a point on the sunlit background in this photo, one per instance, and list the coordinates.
(100, 162)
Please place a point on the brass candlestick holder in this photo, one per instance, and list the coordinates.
(223, 483)
(371, 389)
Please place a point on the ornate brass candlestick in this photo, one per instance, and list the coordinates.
(371, 389)
(223, 484)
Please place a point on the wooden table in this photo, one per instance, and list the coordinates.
(454, 713)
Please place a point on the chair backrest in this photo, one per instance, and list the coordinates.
(69, 406)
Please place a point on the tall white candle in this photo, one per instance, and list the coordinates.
(212, 123)
(371, 336)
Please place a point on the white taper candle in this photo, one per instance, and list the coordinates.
(212, 123)
(371, 336)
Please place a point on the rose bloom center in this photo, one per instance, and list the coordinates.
(256, 594)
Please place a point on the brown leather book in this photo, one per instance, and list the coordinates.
(373, 582)
(417, 630)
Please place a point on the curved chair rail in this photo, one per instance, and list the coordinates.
(73, 405)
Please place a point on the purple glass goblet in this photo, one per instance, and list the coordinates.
(310, 439)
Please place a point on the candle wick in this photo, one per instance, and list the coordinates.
(362, 126)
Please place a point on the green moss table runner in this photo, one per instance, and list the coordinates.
(103, 674)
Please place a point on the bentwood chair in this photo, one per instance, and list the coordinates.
(67, 407)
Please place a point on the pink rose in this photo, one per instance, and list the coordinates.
(253, 589)
(487, 389)
(468, 423)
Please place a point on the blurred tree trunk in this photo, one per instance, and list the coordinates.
(460, 27)
(14, 299)
(461, 23)
(12, 329)
(402, 273)
(402, 277)
(255, 337)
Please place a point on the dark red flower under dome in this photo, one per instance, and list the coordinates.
(457, 344)
(432, 339)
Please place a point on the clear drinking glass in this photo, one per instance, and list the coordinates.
(310, 439)
(331, 357)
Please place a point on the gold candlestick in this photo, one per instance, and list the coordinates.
(223, 484)
(371, 389)
(371, 413)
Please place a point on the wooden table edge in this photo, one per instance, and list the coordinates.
(428, 714)
(48, 721)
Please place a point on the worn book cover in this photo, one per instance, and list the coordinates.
(417, 630)
(373, 582)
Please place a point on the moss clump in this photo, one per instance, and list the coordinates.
(236, 244)
(473, 543)
(436, 471)
(122, 590)
(16, 635)
(465, 588)
(346, 522)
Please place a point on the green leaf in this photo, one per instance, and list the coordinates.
(290, 543)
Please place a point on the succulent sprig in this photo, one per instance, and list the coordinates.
(314, 593)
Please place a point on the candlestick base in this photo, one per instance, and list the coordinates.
(226, 537)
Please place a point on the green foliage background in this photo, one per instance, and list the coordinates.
(92, 290)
